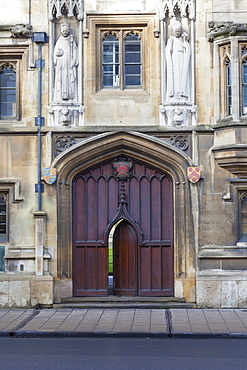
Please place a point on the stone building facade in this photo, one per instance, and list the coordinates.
(123, 129)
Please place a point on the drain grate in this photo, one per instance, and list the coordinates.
(24, 322)
(169, 323)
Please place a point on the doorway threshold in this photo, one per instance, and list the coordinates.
(119, 302)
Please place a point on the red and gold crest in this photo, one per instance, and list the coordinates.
(194, 174)
(122, 167)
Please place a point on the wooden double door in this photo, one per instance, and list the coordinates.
(143, 262)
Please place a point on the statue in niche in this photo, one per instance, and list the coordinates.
(178, 65)
(66, 62)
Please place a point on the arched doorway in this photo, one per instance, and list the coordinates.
(125, 248)
(143, 261)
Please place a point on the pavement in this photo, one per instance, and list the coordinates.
(108, 322)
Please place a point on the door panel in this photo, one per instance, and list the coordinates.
(124, 262)
(149, 202)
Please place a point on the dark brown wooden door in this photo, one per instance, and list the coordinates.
(124, 260)
(149, 197)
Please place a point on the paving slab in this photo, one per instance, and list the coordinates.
(124, 322)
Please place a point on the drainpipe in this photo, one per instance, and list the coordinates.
(39, 38)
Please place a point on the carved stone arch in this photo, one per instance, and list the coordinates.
(7, 64)
(70, 7)
(244, 53)
(132, 32)
(110, 32)
(242, 196)
(4, 196)
(159, 153)
(150, 150)
(226, 54)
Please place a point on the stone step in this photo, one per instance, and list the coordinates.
(123, 302)
(133, 305)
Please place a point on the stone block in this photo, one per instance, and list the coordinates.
(19, 293)
(179, 291)
(229, 294)
(208, 293)
(41, 292)
(62, 289)
(4, 293)
(242, 294)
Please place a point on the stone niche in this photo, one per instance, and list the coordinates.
(178, 92)
(65, 106)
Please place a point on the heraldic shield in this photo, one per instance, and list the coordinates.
(122, 167)
(50, 175)
(194, 174)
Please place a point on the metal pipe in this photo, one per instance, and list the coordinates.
(39, 38)
(39, 124)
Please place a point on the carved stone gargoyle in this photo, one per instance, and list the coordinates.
(21, 30)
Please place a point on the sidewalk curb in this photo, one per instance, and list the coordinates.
(68, 334)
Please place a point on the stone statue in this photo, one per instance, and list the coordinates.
(178, 65)
(66, 62)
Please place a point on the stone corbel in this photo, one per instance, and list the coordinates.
(220, 29)
(21, 31)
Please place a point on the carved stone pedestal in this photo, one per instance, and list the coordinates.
(178, 115)
(66, 114)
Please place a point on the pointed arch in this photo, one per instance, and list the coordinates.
(151, 151)
(87, 153)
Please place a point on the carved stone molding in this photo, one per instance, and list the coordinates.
(220, 29)
(178, 115)
(63, 142)
(186, 7)
(232, 158)
(66, 114)
(70, 7)
(180, 141)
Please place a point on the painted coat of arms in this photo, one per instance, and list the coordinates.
(194, 174)
(50, 175)
(122, 167)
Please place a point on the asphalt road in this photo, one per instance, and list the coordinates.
(122, 353)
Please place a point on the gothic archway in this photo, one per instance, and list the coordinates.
(152, 152)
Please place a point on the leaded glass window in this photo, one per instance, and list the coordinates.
(7, 91)
(110, 61)
(121, 59)
(244, 79)
(3, 216)
(132, 61)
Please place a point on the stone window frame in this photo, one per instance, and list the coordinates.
(220, 87)
(12, 57)
(236, 192)
(10, 190)
(11, 68)
(4, 195)
(242, 215)
(121, 35)
(242, 60)
(225, 58)
(100, 24)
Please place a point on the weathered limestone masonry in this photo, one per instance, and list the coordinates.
(160, 84)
